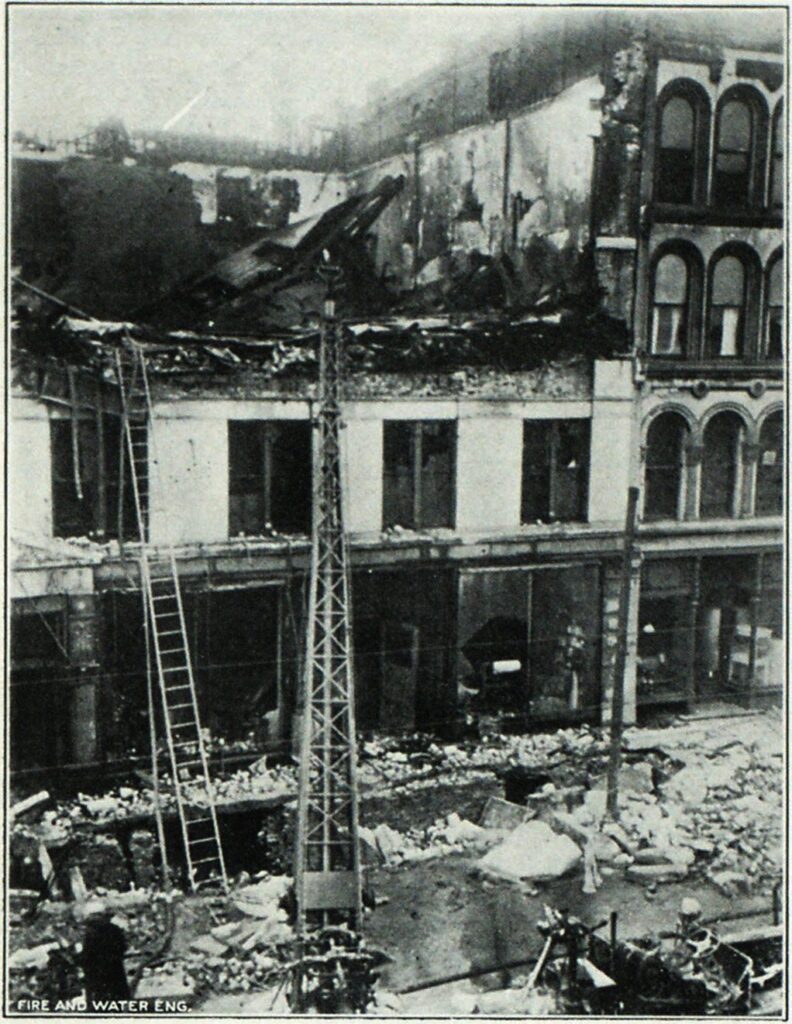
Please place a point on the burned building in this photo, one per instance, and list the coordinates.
(578, 283)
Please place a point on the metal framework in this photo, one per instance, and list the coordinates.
(327, 855)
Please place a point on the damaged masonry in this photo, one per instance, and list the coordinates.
(372, 409)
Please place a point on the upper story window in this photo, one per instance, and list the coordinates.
(777, 159)
(727, 307)
(770, 467)
(418, 473)
(682, 143)
(269, 476)
(774, 309)
(720, 466)
(665, 459)
(555, 470)
(85, 457)
(669, 321)
(740, 137)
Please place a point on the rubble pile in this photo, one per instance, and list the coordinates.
(451, 834)
(251, 949)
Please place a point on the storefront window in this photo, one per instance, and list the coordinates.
(529, 641)
(565, 620)
(664, 632)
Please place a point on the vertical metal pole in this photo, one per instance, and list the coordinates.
(327, 861)
(617, 707)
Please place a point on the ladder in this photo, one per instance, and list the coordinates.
(160, 582)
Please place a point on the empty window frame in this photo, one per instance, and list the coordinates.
(418, 473)
(774, 309)
(555, 470)
(727, 314)
(721, 466)
(269, 476)
(777, 159)
(665, 460)
(770, 468)
(86, 462)
(670, 306)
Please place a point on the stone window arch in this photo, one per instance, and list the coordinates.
(682, 143)
(664, 472)
(721, 465)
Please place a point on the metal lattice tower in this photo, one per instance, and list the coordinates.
(327, 861)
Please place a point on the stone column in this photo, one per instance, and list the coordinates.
(750, 462)
(610, 637)
(693, 456)
(83, 635)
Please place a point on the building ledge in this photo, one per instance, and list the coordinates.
(664, 368)
(672, 213)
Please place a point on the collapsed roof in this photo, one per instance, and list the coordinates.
(441, 344)
(242, 285)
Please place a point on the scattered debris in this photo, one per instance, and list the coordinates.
(532, 850)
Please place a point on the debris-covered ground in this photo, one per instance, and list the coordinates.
(459, 875)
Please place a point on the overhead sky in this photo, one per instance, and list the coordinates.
(73, 66)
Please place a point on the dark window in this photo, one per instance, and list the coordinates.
(418, 473)
(269, 476)
(777, 159)
(719, 466)
(665, 444)
(85, 480)
(774, 313)
(732, 176)
(675, 183)
(727, 307)
(39, 693)
(555, 470)
(770, 470)
(670, 305)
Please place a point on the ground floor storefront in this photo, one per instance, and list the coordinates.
(530, 640)
(710, 627)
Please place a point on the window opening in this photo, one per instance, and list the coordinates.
(555, 470)
(670, 301)
(727, 314)
(732, 177)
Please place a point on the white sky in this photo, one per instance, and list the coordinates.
(73, 66)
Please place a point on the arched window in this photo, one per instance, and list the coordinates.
(777, 159)
(675, 177)
(727, 307)
(670, 305)
(770, 468)
(731, 185)
(682, 142)
(774, 310)
(720, 466)
(665, 457)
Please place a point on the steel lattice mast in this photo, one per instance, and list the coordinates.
(327, 861)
